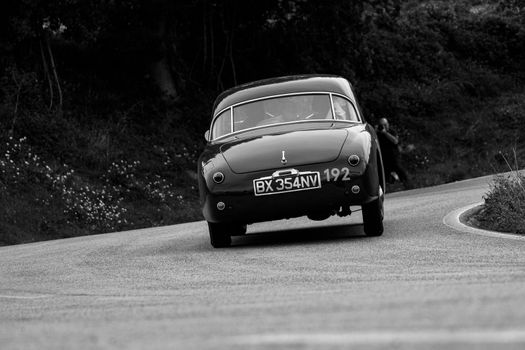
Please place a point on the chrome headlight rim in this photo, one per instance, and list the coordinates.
(218, 177)
(354, 160)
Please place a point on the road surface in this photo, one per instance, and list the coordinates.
(289, 284)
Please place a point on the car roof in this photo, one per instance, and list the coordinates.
(283, 85)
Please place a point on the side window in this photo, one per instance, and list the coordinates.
(344, 110)
(222, 124)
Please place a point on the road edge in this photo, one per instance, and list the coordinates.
(457, 220)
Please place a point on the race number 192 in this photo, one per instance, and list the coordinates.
(336, 174)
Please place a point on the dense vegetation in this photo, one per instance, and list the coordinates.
(504, 207)
(104, 103)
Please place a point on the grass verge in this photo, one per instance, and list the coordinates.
(504, 208)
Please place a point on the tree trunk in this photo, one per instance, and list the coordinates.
(161, 75)
(160, 69)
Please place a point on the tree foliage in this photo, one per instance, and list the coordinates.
(216, 44)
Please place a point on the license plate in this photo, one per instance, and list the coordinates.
(294, 182)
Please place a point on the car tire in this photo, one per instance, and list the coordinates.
(373, 218)
(220, 234)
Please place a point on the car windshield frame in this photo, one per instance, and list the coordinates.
(332, 110)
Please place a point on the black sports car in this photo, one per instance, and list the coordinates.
(288, 147)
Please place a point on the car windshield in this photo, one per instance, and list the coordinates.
(283, 109)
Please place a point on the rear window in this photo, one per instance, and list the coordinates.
(283, 109)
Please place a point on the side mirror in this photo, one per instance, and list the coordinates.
(207, 135)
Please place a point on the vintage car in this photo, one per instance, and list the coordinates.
(288, 147)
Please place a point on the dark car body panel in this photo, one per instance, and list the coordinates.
(300, 147)
(308, 147)
(243, 207)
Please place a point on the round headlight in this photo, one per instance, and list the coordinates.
(218, 177)
(353, 160)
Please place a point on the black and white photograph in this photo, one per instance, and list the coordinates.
(271, 174)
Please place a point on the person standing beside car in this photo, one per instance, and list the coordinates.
(389, 143)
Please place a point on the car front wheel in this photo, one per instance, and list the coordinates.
(373, 218)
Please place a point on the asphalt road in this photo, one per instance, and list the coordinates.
(299, 285)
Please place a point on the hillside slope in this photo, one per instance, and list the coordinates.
(89, 145)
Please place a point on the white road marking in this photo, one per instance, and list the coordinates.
(2, 296)
(452, 220)
(474, 336)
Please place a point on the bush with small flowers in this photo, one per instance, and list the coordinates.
(94, 207)
(124, 195)
(122, 177)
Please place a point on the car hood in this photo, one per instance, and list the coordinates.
(299, 147)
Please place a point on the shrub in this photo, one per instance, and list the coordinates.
(43, 199)
(84, 204)
(504, 208)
